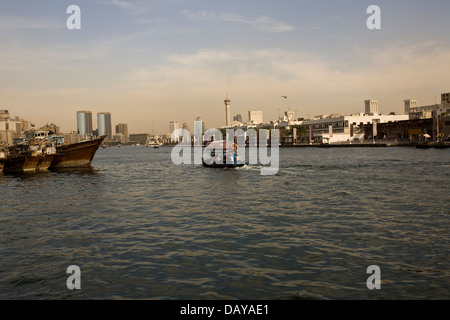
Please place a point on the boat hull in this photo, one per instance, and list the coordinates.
(14, 164)
(223, 165)
(45, 162)
(77, 155)
(424, 145)
(31, 163)
(441, 145)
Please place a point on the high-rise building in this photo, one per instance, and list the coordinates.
(122, 128)
(445, 97)
(255, 117)
(371, 106)
(84, 123)
(199, 119)
(173, 125)
(104, 125)
(227, 111)
(238, 118)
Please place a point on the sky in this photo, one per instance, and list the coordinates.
(149, 62)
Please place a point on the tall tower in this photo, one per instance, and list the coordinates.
(227, 110)
(84, 123)
(104, 124)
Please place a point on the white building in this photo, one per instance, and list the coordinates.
(424, 112)
(255, 117)
(11, 128)
(173, 125)
(371, 106)
(338, 128)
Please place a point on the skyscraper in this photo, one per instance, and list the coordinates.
(84, 123)
(104, 125)
(174, 125)
(122, 128)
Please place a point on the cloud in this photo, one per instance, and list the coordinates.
(15, 22)
(263, 23)
(131, 7)
(259, 77)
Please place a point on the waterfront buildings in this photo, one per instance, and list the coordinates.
(140, 138)
(255, 117)
(238, 118)
(199, 119)
(11, 127)
(339, 128)
(371, 107)
(104, 125)
(423, 112)
(84, 123)
(122, 133)
(174, 125)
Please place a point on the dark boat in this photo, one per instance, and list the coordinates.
(3, 154)
(20, 159)
(223, 165)
(38, 155)
(220, 160)
(16, 157)
(425, 145)
(441, 145)
(40, 162)
(76, 155)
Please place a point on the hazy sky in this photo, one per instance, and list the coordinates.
(150, 62)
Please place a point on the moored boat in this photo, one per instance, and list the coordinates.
(441, 145)
(3, 153)
(424, 145)
(76, 155)
(43, 151)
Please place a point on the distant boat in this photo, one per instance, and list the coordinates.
(154, 142)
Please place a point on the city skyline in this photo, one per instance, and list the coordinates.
(150, 63)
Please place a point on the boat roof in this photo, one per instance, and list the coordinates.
(221, 144)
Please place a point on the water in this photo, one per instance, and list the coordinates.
(140, 227)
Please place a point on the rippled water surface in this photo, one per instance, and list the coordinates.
(140, 227)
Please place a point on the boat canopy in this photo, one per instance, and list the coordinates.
(221, 145)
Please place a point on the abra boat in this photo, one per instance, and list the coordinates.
(219, 158)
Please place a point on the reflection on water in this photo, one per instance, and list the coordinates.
(139, 226)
